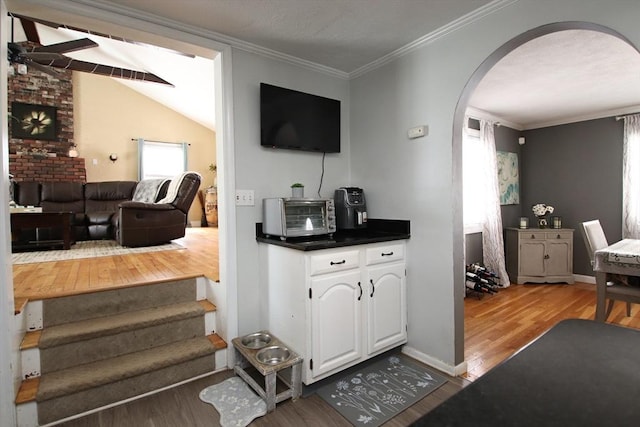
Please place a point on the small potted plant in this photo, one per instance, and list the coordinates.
(297, 190)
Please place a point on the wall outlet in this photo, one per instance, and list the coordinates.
(244, 198)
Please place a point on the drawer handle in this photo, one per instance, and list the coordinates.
(533, 236)
(559, 237)
(339, 262)
(360, 296)
(387, 254)
(373, 288)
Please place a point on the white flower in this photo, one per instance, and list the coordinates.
(541, 209)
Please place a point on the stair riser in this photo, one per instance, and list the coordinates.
(66, 406)
(87, 351)
(74, 308)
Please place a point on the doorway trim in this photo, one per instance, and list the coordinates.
(76, 14)
(458, 124)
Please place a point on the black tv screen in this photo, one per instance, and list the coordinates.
(298, 121)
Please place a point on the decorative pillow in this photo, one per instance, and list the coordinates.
(147, 190)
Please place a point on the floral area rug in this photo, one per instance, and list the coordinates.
(380, 390)
(236, 403)
(88, 249)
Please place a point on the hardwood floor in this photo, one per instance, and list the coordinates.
(498, 325)
(57, 278)
(181, 406)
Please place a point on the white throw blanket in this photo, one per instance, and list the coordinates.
(174, 185)
(147, 190)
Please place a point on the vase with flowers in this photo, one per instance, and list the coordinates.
(541, 210)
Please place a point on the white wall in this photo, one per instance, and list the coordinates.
(271, 172)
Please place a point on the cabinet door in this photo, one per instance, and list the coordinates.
(336, 320)
(560, 259)
(532, 258)
(386, 306)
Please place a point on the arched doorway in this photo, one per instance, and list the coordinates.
(472, 84)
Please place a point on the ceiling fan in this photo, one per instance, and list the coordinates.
(51, 57)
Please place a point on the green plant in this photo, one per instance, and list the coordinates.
(297, 185)
(213, 168)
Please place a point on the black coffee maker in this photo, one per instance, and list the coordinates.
(351, 208)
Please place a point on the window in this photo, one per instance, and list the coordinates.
(472, 186)
(161, 159)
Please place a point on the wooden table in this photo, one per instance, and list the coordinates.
(30, 220)
(622, 257)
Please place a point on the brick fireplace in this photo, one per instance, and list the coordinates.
(40, 159)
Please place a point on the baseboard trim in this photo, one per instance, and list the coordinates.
(454, 371)
(584, 279)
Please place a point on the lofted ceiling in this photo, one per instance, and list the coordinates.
(558, 78)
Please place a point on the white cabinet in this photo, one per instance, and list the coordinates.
(539, 255)
(337, 307)
(336, 321)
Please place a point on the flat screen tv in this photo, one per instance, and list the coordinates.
(298, 121)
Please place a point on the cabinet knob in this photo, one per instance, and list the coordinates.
(533, 236)
(558, 237)
(546, 256)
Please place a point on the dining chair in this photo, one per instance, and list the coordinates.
(595, 239)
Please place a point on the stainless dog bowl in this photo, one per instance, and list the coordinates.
(273, 355)
(257, 340)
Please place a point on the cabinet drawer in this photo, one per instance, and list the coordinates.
(336, 261)
(386, 253)
(559, 235)
(533, 235)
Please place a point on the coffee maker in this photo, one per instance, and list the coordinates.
(351, 208)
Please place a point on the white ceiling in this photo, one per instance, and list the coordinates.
(562, 77)
(558, 78)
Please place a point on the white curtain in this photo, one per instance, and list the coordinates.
(492, 241)
(631, 178)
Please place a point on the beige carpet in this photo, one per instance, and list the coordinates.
(88, 249)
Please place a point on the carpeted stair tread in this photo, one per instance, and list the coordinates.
(111, 325)
(90, 375)
(115, 301)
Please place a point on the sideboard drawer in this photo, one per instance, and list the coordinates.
(559, 235)
(533, 235)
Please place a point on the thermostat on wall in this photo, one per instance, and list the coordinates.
(418, 132)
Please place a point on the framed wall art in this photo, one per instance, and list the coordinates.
(508, 178)
(31, 121)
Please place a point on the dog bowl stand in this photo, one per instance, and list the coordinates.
(246, 357)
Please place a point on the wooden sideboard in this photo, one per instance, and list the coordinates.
(539, 255)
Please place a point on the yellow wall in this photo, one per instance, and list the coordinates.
(107, 115)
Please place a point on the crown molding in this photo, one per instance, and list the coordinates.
(90, 7)
(479, 13)
(632, 109)
(479, 114)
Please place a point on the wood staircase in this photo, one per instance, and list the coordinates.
(85, 352)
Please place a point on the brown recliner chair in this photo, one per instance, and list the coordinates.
(148, 224)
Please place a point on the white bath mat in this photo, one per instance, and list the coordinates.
(234, 400)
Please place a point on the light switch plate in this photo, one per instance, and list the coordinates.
(244, 198)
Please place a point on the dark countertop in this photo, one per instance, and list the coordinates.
(378, 230)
